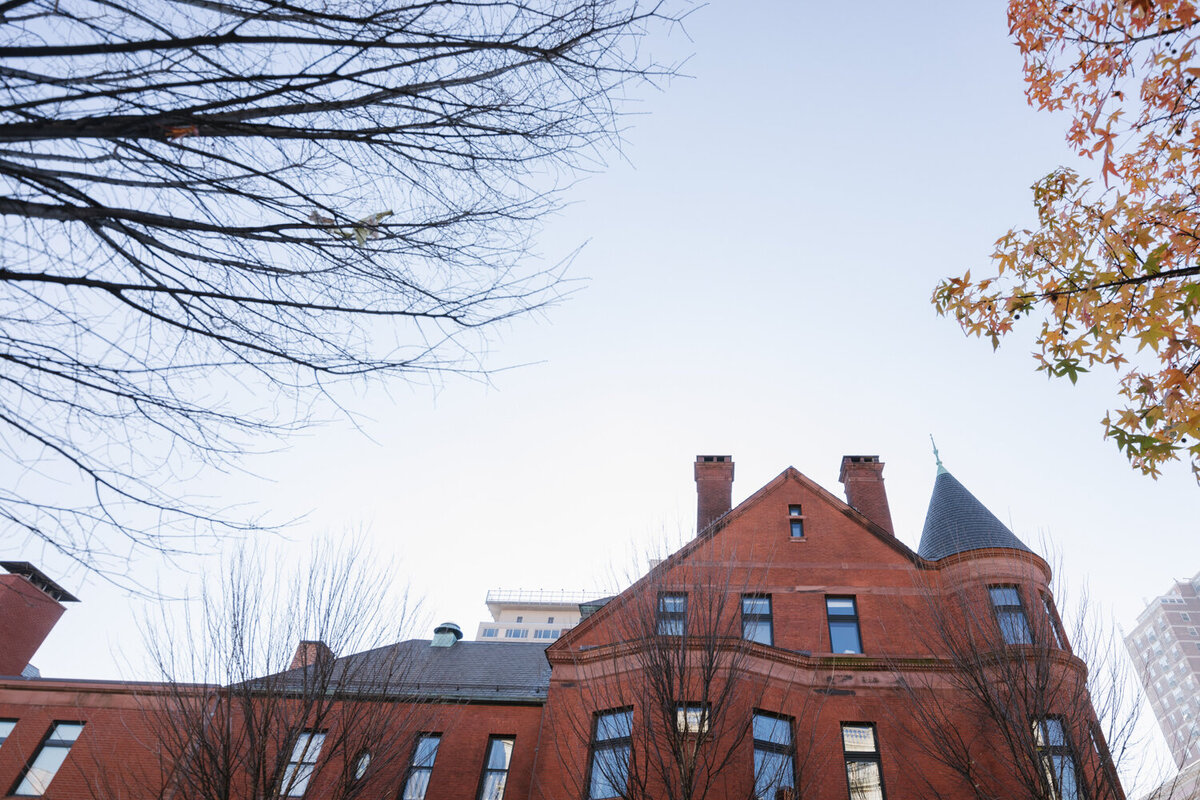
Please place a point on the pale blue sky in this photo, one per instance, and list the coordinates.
(756, 282)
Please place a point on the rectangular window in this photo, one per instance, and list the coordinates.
(774, 757)
(517, 633)
(50, 756)
(671, 619)
(488, 633)
(756, 618)
(864, 773)
(608, 768)
(421, 768)
(1056, 631)
(303, 762)
(495, 767)
(6, 728)
(1010, 615)
(545, 634)
(1058, 762)
(843, 625)
(796, 521)
(691, 718)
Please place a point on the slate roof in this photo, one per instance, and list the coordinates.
(498, 672)
(957, 522)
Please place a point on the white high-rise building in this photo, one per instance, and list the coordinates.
(523, 615)
(1165, 647)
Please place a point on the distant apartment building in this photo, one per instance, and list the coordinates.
(523, 615)
(1165, 647)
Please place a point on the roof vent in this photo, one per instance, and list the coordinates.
(446, 634)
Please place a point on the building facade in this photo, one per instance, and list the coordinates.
(1165, 647)
(794, 648)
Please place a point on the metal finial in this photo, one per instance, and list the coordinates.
(938, 458)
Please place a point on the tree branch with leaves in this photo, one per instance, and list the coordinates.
(1109, 271)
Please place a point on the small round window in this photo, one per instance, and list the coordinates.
(360, 765)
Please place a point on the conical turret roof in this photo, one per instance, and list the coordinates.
(957, 522)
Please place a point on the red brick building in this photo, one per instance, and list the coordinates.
(794, 648)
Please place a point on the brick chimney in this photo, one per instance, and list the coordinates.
(714, 488)
(309, 653)
(30, 605)
(863, 478)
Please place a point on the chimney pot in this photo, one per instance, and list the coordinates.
(714, 489)
(863, 478)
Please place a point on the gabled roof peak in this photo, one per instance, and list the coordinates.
(957, 522)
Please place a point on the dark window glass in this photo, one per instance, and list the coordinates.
(50, 756)
(1058, 761)
(774, 757)
(864, 774)
(421, 767)
(608, 768)
(495, 768)
(672, 614)
(1010, 615)
(756, 618)
(797, 529)
(843, 625)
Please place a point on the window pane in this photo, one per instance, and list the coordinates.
(772, 772)
(418, 784)
(841, 606)
(614, 725)
(756, 605)
(797, 529)
(1049, 731)
(610, 769)
(670, 627)
(772, 729)
(42, 770)
(756, 631)
(493, 786)
(295, 779)
(1013, 626)
(843, 637)
(865, 780)
(690, 718)
(6, 727)
(1005, 596)
(67, 732)
(672, 603)
(858, 738)
(499, 752)
(426, 751)
(308, 747)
